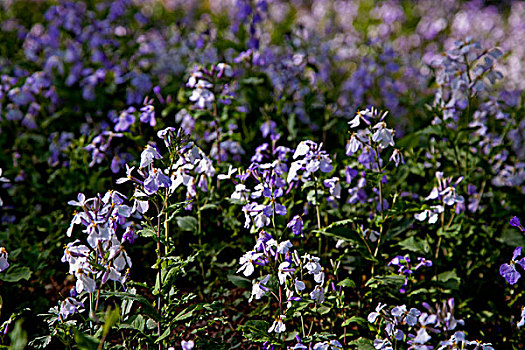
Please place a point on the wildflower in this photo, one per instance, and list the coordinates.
(317, 294)
(259, 289)
(333, 186)
(155, 180)
(247, 262)
(515, 222)
(284, 271)
(68, 307)
(166, 135)
(353, 144)
(312, 264)
(522, 321)
(432, 214)
(84, 282)
(2, 179)
(383, 136)
(3, 259)
(278, 325)
(187, 345)
(148, 155)
(147, 114)
(80, 202)
(375, 314)
(397, 157)
(297, 225)
(383, 344)
(410, 317)
(508, 271)
(299, 286)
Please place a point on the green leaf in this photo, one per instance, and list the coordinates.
(323, 310)
(448, 278)
(252, 81)
(307, 184)
(112, 318)
(147, 232)
(185, 314)
(18, 337)
(394, 280)
(359, 320)
(15, 274)
(256, 330)
(187, 223)
(147, 308)
(164, 335)
(362, 344)
(452, 231)
(512, 237)
(347, 282)
(240, 281)
(415, 245)
(86, 342)
(209, 206)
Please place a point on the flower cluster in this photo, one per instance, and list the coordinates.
(104, 219)
(420, 327)
(445, 192)
(405, 268)
(283, 265)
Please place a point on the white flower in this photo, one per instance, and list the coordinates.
(247, 262)
(187, 345)
(333, 186)
(231, 171)
(383, 135)
(84, 282)
(284, 271)
(283, 247)
(450, 197)
(312, 264)
(353, 145)
(299, 286)
(302, 149)
(148, 155)
(317, 294)
(258, 291)
(278, 325)
(432, 214)
(202, 96)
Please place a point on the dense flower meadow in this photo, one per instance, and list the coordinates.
(262, 174)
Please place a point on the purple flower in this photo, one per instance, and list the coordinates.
(125, 119)
(508, 271)
(147, 115)
(516, 222)
(297, 225)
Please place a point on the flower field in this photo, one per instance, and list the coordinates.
(262, 174)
